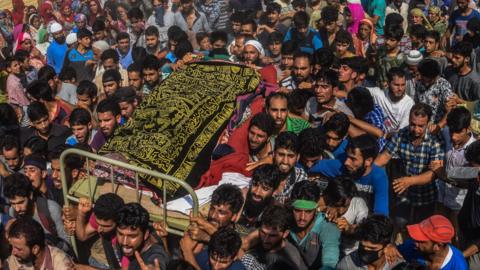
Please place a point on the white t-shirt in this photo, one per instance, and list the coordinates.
(397, 113)
(317, 119)
(356, 213)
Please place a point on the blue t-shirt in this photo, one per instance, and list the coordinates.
(204, 262)
(373, 187)
(308, 44)
(340, 152)
(410, 254)
(56, 55)
(377, 8)
(460, 22)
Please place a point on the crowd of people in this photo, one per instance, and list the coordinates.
(363, 153)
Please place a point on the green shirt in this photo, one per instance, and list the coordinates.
(296, 125)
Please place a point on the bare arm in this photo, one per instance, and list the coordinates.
(370, 129)
(383, 159)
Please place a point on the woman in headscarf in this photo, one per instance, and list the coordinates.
(417, 17)
(95, 11)
(18, 11)
(42, 43)
(357, 14)
(67, 18)
(364, 38)
(35, 24)
(80, 22)
(6, 27)
(46, 11)
(24, 42)
(436, 20)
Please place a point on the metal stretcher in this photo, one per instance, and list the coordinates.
(91, 188)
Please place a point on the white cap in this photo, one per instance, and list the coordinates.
(71, 38)
(55, 27)
(257, 46)
(414, 57)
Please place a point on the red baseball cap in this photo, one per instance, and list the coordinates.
(436, 228)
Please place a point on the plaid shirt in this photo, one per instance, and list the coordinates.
(416, 160)
(436, 96)
(297, 175)
(377, 119)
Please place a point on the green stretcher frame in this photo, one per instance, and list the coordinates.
(89, 188)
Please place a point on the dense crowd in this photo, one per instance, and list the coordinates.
(361, 154)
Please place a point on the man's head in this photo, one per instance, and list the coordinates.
(111, 80)
(86, 94)
(330, 18)
(219, 39)
(223, 247)
(472, 154)
(84, 38)
(68, 75)
(336, 130)
(236, 18)
(132, 228)
(127, 100)
(417, 35)
(151, 71)
(458, 122)
(11, 152)
(249, 27)
(461, 53)
(463, 5)
(429, 70)
(265, 181)
(54, 159)
(397, 83)
(203, 41)
(288, 50)
(35, 167)
(274, 43)
(325, 82)
(352, 69)
(343, 41)
(393, 35)
(106, 210)
(360, 101)
(338, 194)
(39, 117)
(431, 41)
(361, 152)
(135, 15)
(187, 6)
(253, 51)
(304, 199)
(108, 114)
(27, 239)
(19, 191)
(312, 145)
(227, 200)
(286, 153)
(110, 59)
(301, 21)
(40, 90)
(302, 66)
(375, 233)
(277, 107)
(99, 30)
(420, 115)
(275, 224)
(273, 13)
(152, 37)
(432, 235)
(135, 76)
(261, 127)
(123, 42)
(81, 124)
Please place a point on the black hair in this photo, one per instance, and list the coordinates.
(377, 229)
(418, 30)
(343, 36)
(178, 35)
(29, 229)
(83, 33)
(329, 14)
(237, 17)
(56, 153)
(299, 3)
(80, 116)
(339, 190)
(356, 63)
(273, 7)
(328, 76)
(301, 54)
(433, 34)
(40, 90)
(68, 74)
(305, 190)
(429, 68)
(267, 175)
(135, 67)
(312, 142)
(139, 54)
(182, 48)
(111, 75)
(10, 142)
(201, 36)
(278, 217)
(338, 123)
(458, 119)
(125, 94)
(463, 48)
(86, 87)
(152, 30)
(98, 25)
(323, 57)
(264, 122)
(393, 31)
(230, 195)
(123, 35)
(297, 101)
(17, 184)
(36, 111)
(394, 19)
(108, 105)
(135, 13)
(301, 19)
(472, 153)
(21, 55)
(275, 37)
(151, 63)
(8, 120)
(288, 140)
(421, 109)
(133, 215)
(36, 145)
(367, 145)
(252, 22)
(360, 101)
(110, 54)
(395, 72)
(224, 243)
(276, 95)
(46, 73)
(219, 35)
(289, 48)
(108, 206)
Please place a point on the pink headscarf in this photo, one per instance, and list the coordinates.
(18, 11)
(47, 5)
(21, 38)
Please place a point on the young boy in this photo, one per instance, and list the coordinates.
(87, 95)
(81, 57)
(81, 126)
(15, 88)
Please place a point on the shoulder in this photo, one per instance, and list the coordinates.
(60, 259)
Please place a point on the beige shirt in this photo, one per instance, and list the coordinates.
(54, 259)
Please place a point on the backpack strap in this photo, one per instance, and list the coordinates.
(44, 215)
(110, 254)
